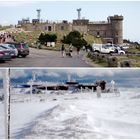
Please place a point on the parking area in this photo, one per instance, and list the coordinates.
(46, 58)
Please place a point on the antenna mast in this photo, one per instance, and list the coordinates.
(79, 13)
(38, 14)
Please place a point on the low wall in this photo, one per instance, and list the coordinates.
(111, 61)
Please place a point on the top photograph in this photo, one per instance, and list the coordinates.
(69, 34)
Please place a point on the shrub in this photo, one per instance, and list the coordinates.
(44, 38)
(74, 38)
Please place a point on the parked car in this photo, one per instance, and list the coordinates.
(11, 52)
(11, 48)
(107, 49)
(4, 54)
(103, 48)
(119, 50)
(125, 46)
(23, 48)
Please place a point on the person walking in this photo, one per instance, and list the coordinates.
(62, 50)
(78, 51)
(71, 50)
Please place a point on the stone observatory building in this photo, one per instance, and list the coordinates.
(111, 30)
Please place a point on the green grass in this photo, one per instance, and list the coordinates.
(4, 28)
(101, 63)
(134, 49)
(135, 60)
(31, 38)
(92, 39)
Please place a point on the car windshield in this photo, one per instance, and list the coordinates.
(1, 47)
(22, 46)
(107, 46)
(4, 47)
(11, 46)
(25, 46)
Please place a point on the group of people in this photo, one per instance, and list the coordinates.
(6, 37)
(69, 51)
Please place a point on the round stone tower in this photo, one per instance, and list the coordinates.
(117, 29)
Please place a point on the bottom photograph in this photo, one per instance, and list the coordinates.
(69, 103)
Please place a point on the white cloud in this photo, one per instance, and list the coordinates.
(17, 73)
(39, 72)
(46, 72)
(54, 74)
(91, 72)
(81, 72)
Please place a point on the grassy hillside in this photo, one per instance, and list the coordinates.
(92, 39)
(31, 37)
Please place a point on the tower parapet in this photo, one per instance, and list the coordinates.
(80, 22)
(116, 17)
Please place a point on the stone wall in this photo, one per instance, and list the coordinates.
(82, 28)
(101, 30)
(112, 29)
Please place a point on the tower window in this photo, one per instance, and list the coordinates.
(98, 33)
(49, 28)
(62, 27)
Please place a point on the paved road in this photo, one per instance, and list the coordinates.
(45, 58)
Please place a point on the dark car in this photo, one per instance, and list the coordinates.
(23, 48)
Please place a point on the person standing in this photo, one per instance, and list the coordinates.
(98, 90)
(71, 50)
(78, 51)
(63, 50)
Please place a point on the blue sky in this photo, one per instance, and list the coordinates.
(123, 77)
(12, 11)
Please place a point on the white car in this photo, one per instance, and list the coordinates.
(124, 46)
(107, 48)
(103, 48)
(119, 50)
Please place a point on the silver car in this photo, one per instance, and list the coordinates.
(11, 48)
(4, 54)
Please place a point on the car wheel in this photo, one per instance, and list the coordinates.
(96, 52)
(121, 53)
(23, 56)
(110, 53)
(2, 61)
